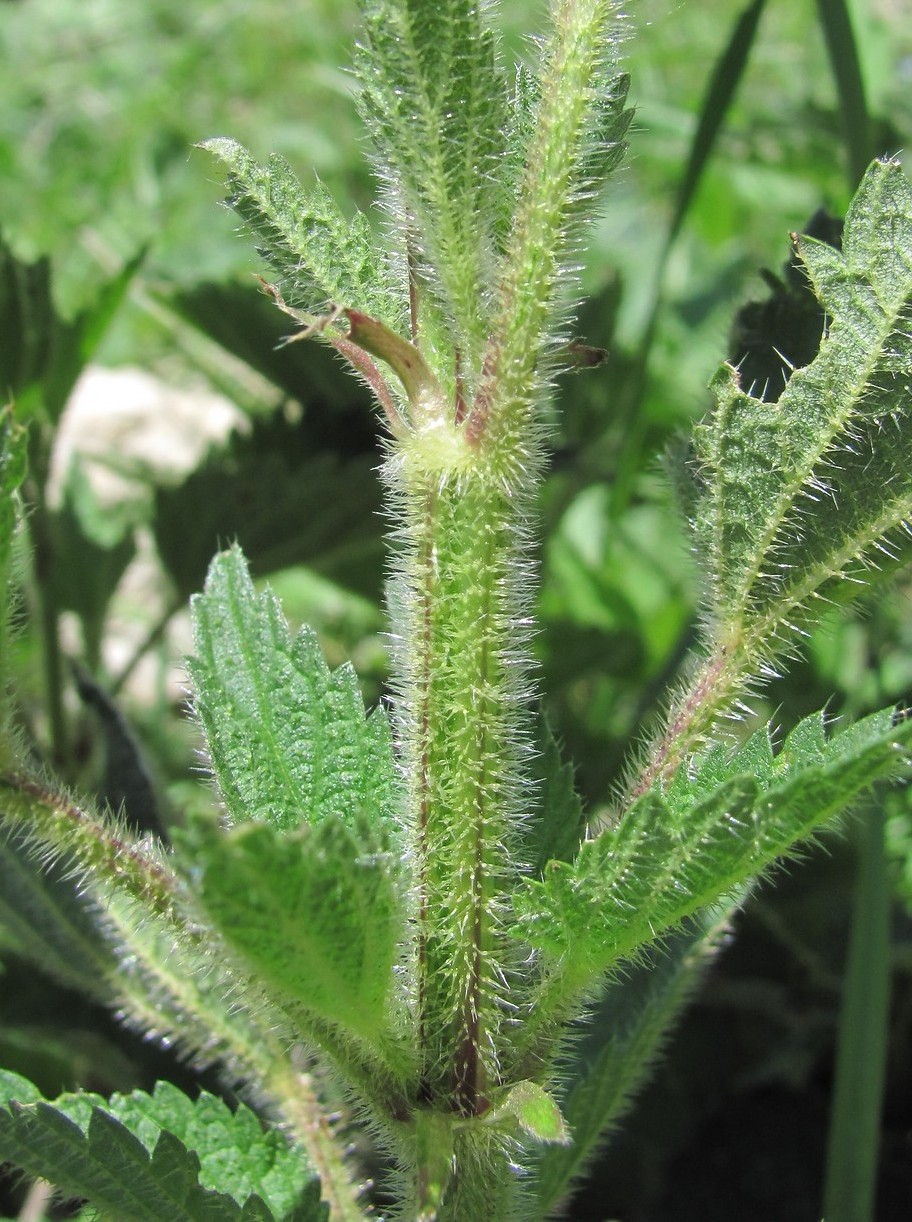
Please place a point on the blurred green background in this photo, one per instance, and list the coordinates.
(101, 103)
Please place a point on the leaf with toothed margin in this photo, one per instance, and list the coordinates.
(319, 255)
(805, 492)
(675, 852)
(144, 1158)
(288, 739)
(433, 96)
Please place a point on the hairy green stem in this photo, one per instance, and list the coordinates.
(464, 734)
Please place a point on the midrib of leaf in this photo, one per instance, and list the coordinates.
(753, 641)
(279, 757)
(801, 475)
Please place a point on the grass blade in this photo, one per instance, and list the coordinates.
(842, 48)
(861, 1056)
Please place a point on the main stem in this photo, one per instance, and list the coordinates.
(464, 736)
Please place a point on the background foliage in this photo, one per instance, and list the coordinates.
(96, 122)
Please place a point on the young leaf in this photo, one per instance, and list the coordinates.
(288, 740)
(143, 1158)
(432, 94)
(579, 128)
(318, 256)
(529, 1106)
(313, 912)
(675, 852)
(804, 492)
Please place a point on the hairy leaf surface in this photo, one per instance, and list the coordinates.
(143, 1158)
(288, 740)
(319, 256)
(805, 491)
(675, 852)
(315, 913)
(433, 95)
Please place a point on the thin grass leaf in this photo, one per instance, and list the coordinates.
(852, 1153)
(842, 47)
(723, 85)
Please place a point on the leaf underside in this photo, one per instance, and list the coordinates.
(314, 913)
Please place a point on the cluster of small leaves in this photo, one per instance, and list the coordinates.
(142, 1158)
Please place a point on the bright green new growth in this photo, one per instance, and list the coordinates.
(416, 907)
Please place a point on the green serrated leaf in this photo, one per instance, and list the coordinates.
(674, 853)
(315, 913)
(434, 98)
(815, 487)
(319, 256)
(131, 1155)
(288, 740)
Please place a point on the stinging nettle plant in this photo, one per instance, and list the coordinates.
(407, 910)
